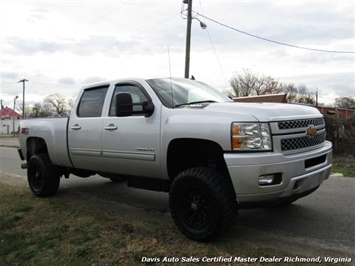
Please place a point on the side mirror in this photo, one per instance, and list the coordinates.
(125, 106)
(148, 108)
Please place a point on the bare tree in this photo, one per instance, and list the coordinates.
(345, 102)
(304, 95)
(234, 82)
(40, 110)
(291, 91)
(307, 99)
(247, 83)
(271, 86)
(58, 102)
(36, 110)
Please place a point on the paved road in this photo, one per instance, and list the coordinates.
(321, 224)
(10, 161)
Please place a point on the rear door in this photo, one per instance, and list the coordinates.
(131, 144)
(85, 130)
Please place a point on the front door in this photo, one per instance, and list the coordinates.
(130, 145)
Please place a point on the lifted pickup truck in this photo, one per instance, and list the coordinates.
(182, 136)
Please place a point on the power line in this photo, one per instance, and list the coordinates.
(155, 25)
(272, 41)
(101, 18)
(215, 52)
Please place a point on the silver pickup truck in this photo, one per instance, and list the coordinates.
(182, 136)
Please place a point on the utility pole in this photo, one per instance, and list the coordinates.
(188, 39)
(23, 94)
(13, 118)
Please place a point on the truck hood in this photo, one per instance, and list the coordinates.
(266, 111)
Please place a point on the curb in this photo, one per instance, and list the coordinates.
(336, 175)
(9, 146)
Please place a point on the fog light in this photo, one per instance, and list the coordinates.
(265, 180)
(271, 179)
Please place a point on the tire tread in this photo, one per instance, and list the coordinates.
(222, 192)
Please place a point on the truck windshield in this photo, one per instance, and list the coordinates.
(175, 92)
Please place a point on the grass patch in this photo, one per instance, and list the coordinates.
(57, 231)
(344, 165)
(342, 170)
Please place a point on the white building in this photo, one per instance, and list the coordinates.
(9, 120)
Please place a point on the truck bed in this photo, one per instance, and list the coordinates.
(53, 131)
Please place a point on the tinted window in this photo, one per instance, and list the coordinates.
(92, 102)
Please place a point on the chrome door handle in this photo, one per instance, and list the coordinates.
(76, 127)
(110, 127)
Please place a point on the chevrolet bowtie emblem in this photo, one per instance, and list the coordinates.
(311, 131)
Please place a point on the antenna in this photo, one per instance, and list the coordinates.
(171, 82)
(169, 62)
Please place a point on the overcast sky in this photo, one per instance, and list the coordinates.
(61, 45)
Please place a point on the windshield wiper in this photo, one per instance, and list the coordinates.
(205, 101)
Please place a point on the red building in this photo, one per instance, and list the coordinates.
(339, 112)
(8, 113)
(9, 120)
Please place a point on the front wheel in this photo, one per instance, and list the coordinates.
(202, 203)
(43, 177)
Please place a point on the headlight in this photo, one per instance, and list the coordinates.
(251, 137)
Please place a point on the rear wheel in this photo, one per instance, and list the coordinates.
(43, 177)
(202, 203)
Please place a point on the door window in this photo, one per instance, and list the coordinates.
(138, 96)
(92, 102)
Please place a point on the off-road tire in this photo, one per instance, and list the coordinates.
(202, 203)
(43, 178)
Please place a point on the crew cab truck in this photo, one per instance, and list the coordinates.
(182, 136)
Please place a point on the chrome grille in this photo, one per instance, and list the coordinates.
(302, 142)
(300, 123)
